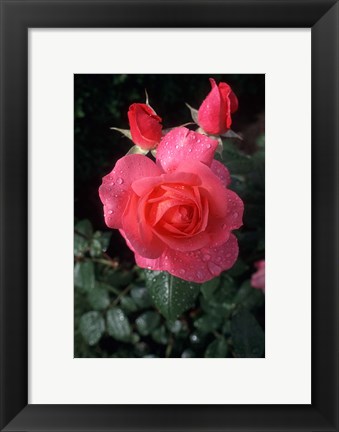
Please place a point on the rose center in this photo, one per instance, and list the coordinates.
(175, 209)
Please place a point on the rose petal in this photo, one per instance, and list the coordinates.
(181, 144)
(258, 278)
(138, 232)
(198, 266)
(211, 186)
(221, 171)
(116, 186)
(185, 244)
(234, 102)
(235, 210)
(146, 184)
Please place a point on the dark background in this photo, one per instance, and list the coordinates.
(102, 101)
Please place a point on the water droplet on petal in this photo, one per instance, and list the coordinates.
(214, 268)
(110, 211)
(224, 226)
(120, 180)
(182, 271)
(208, 146)
(206, 257)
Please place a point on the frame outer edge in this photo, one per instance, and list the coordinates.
(325, 182)
(13, 367)
(13, 260)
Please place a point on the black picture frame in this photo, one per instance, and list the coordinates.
(17, 16)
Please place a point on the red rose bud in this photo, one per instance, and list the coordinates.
(145, 126)
(214, 115)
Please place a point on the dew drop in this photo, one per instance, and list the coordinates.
(235, 214)
(199, 275)
(198, 141)
(214, 268)
(206, 257)
(182, 271)
(224, 226)
(208, 146)
(110, 211)
(120, 180)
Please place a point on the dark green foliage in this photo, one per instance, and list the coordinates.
(140, 313)
(247, 335)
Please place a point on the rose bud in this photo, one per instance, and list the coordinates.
(178, 214)
(258, 278)
(214, 115)
(145, 126)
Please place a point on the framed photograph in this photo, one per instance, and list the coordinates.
(169, 215)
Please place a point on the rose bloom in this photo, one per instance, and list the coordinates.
(176, 214)
(145, 126)
(214, 115)
(258, 278)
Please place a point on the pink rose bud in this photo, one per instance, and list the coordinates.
(177, 215)
(258, 278)
(145, 126)
(214, 115)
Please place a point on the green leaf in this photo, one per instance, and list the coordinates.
(84, 276)
(247, 335)
(208, 288)
(159, 335)
(125, 132)
(248, 297)
(98, 298)
(208, 323)
(238, 269)
(118, 278)
(84, 227)
(217, 349)
(171, 295)
(95, 248)
(137, 150)
(81, 245)
(194, 113)
(141, 297)
(83, 232)
(118, 325)
(236, 161)
(99, 243)
(128, 304)
(92, 326)
(232, 134)
(147, 322)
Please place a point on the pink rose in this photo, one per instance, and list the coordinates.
(214, 115)
(176, 214)
(145, 126)
(258, 278)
